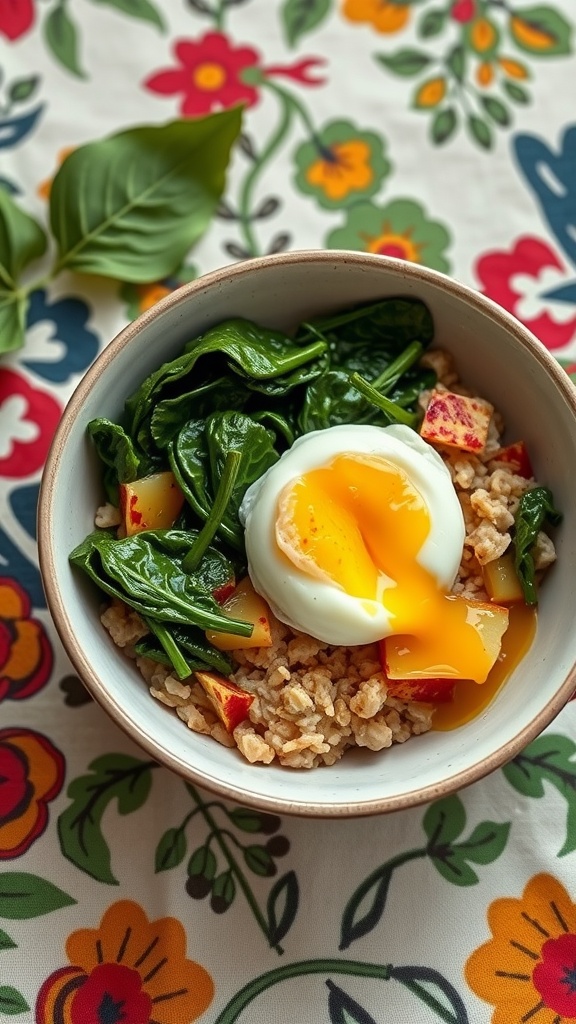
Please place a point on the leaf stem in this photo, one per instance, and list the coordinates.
(177, 659)
(395, 412)
(254, 988)
(380, 877)
(223, 495)
(246, 194)
(390, 376)
(234, 868)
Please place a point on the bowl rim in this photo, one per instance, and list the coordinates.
(57, 607)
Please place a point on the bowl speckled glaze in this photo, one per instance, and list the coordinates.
(496, 355)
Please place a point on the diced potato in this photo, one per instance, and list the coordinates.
(516, 456)
(230, 703)
(247, 605)
(151, 503)
(501, 580)
(457, 421)
(462, 643)
(429, 691)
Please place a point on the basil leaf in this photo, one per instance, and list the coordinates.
(131, 206)
(145, 571)
(22, 240)
(534, 509)
(13, 308)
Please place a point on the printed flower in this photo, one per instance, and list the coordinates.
(341, 164)
(16, 17)
(384, 15)
(62, 341)
(129, 970)
(522, 281)
(28, 419)
(31, 774)
(528, 968)
(213, 75)
(25, 651)
(140, 297)
(401, 229)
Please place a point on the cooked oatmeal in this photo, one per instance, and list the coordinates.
(313, 701)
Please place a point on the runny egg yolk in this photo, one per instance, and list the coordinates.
(359, 522)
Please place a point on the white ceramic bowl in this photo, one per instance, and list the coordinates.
(495, 354)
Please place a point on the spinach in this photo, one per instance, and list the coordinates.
(145, 571)
(115, 449)
(221, 501)
(253, 353)
(198, 653)
(171, 414)
(535, 507)
(197, 458)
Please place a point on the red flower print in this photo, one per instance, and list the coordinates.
(463, 10)
(25, 651)
(501, 274)
(31, 774)
(16, 17)
(209, 76)
(555, 975)
(128, 970)
(28, 419)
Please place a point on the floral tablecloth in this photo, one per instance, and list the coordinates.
(440, 131)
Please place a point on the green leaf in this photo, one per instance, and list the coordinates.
(456, 62)
(170, 851)
(6, 942)
(432, 23)
(496, 110)
(444, 821)
(112, 777)
(23, 88)
(131, 206)
(12, 1001)
(343, 1009)
(541, 31)
(259, 861)
(301, 16)
(142, 9)
(223, 892)
(517, 92)
(535, 508)
(22, 240)
(404, 62)
(479, 131)
(455, 869)
(551, 759)
(12, 320)
(282, 907)
(486, 842)
(202, 862)
(23, 896)
(443, 125)
(61, 36)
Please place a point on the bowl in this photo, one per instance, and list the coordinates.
(495, 354)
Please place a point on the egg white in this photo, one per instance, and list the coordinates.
(323, 609)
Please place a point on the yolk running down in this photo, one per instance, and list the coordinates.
(360, 524)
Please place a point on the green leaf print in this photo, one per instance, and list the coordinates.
(496, 110)
(541, 31)
(432, 23)
(12, 1001)
(171, 850)
(405, 62)
(6, 942)
(282, 907)
(549, 759)
(142, 9)
(302, 16)
(23, 896)
(112, 777)
(480, 131)
(61, 35)
(444, 125)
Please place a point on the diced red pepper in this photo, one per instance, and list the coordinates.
(516, 455)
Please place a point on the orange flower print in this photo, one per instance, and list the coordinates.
(128, 971)
(25, 651)
(528, 968)
(341, 164)
(31, 774)
(384, 15)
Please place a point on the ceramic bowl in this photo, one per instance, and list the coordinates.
(495, 354)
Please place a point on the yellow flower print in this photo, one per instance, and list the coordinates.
(430, 93)
(131, 967)
(384, 15)
(348, 169)
(528, 968)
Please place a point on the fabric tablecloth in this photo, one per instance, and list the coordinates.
(440, 131)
